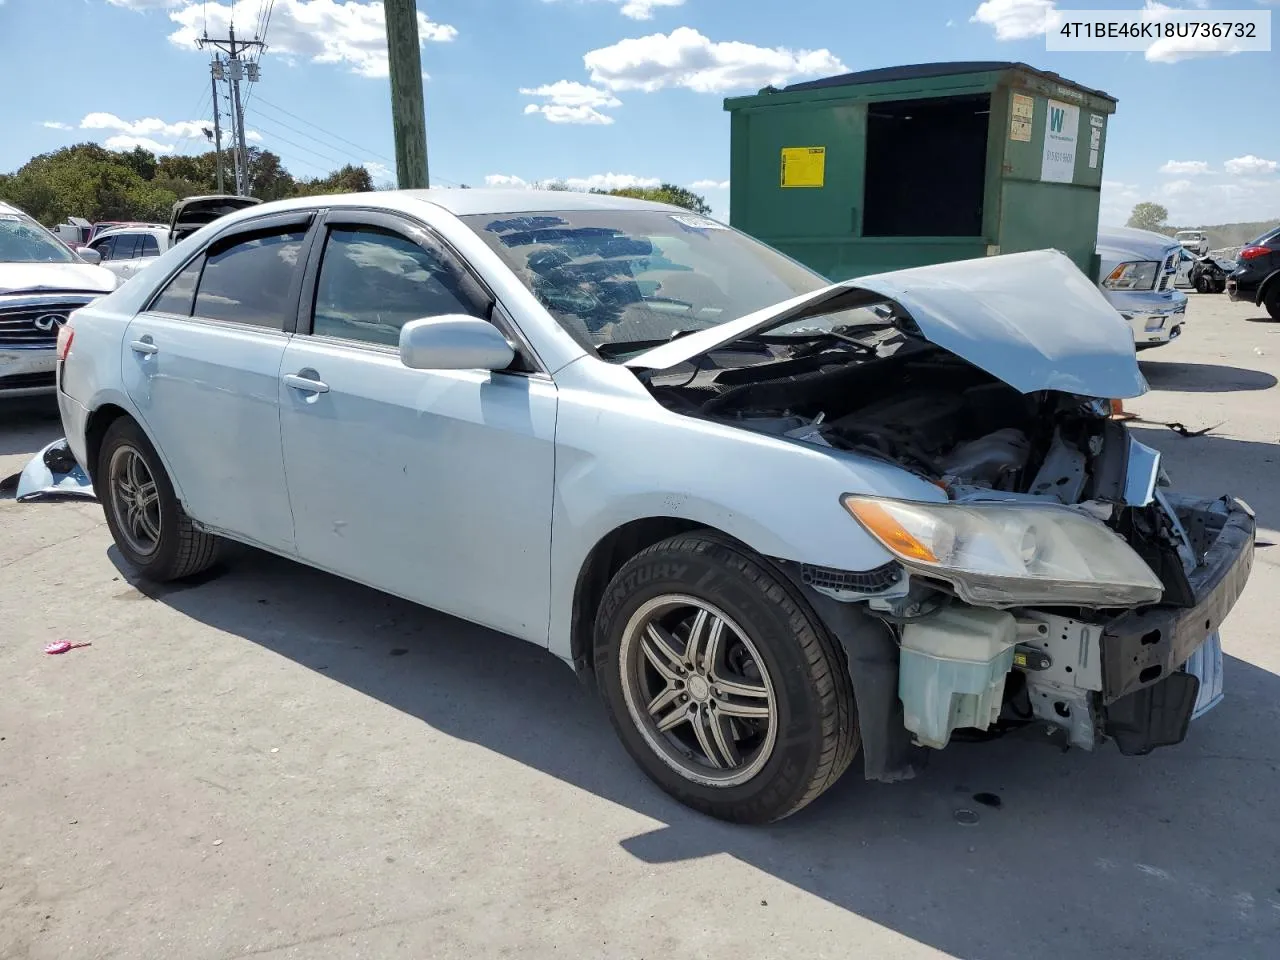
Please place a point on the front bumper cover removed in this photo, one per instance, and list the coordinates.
(1147, 696)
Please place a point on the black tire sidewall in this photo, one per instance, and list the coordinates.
(160, 564)
(711, 576)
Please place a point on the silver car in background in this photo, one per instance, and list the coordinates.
(1137, 276)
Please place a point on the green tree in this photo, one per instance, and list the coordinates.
(348, 179)
(1148, 216)
(666, 193)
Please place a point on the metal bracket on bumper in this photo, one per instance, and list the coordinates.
(1147, 699)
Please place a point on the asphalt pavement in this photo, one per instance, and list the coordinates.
(272, 762)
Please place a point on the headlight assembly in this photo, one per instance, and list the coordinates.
(1011, 554)
(1133, 275)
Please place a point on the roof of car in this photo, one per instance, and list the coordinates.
(464, 203)
(132, 228)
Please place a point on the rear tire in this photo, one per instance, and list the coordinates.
(723, 686)
(147, 522)
(1272, 303)
(1203, 284)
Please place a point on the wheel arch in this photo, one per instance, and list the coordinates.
(95, 431)
(1270, 282)
(603, 561)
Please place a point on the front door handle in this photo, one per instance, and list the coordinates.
(144, 347)
(305, 384)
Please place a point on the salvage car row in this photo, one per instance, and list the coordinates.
(780, 524)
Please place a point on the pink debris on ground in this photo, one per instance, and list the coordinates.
(62, 646)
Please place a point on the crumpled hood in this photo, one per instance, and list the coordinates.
(54, 277)
(1031, 319)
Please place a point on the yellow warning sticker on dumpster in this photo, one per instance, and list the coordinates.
(804, 166)
(1023, 113)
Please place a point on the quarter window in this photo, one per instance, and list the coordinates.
(247, 279)
(372, 282)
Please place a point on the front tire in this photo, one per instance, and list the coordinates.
(147, 522)
(723, 686)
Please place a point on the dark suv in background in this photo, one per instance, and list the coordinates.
(1256, 278)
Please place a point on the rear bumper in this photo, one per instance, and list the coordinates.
(75, 418)
(1244, 291)
(1147, 697)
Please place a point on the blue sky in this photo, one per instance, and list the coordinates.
(609, 92)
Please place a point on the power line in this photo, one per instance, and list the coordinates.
(364, 150)
(316, 153)
(312, 137)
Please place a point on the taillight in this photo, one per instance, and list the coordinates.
(65, 336)
(1250, 253)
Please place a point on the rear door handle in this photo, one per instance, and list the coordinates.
(305, 384)
(144, 347)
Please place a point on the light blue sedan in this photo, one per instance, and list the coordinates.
(778, 522)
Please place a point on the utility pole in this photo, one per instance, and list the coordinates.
(215, 70)
(408, 113)
(235, 72)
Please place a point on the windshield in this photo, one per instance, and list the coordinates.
(25, 241)
(619, 277)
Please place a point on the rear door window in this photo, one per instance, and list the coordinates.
(126, 246)
(176, 298)
(150, 248)
(249, 278)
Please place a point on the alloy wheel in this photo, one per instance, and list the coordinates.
(698, 691)
(134, 499)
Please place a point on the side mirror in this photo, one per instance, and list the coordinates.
(89, 255)
(454, 342)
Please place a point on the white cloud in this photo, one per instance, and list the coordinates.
(123, 141)
(379, 171)
(146, 4)
(252, 135)
(1173, 49)
(643, 9)
(1249, 164)
(1184, 167)
(1197, 203)
(322, 31)
(570, 102)
(54, 124)
(685, 58)
(610, 181)
(581, 114)
(597, 181)
(709, 185)
(640, 9)
(145, 126)
(1014, 19)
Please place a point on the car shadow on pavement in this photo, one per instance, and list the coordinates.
(29, 424)
(1167, 855)
(1179, 377)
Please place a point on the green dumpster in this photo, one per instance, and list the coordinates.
(905, 166)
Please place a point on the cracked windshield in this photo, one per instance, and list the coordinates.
(624, 281)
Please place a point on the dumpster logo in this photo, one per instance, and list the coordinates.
(1059, 161)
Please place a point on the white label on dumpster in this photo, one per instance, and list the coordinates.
(1060, 129)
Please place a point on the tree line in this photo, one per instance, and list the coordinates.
(87, 180)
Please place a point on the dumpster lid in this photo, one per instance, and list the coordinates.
(923, 71)
(1031, 319)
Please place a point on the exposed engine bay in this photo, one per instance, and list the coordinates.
(882, 392)
(920, 407)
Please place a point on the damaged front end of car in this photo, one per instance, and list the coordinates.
(1057, 579)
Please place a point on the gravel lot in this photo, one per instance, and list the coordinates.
(276, 763)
